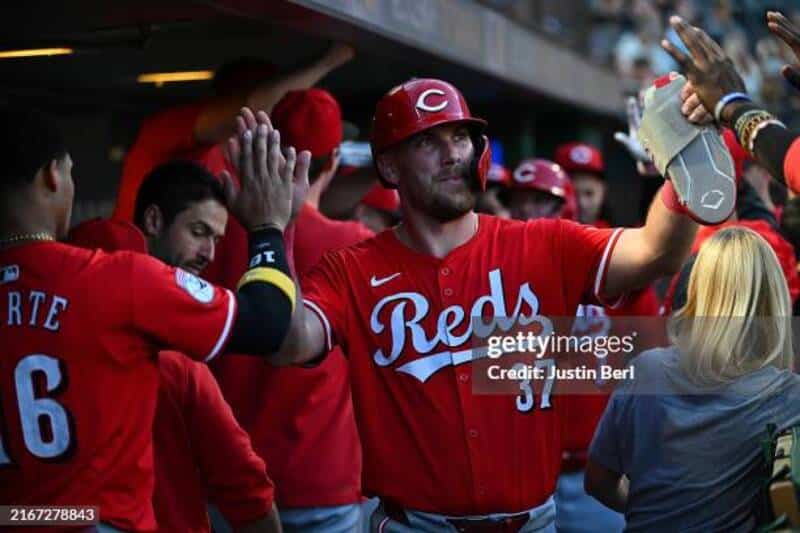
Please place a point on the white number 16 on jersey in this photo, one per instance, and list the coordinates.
(525, 399)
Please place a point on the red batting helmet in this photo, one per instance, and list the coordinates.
(421, 104)
(546, 176)
(580, 157)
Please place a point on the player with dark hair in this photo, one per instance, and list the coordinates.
(80, 328)
(181, 211)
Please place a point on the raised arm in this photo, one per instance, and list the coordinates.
(721, 89)
(272, 320)
(216, 122)
(657, 249)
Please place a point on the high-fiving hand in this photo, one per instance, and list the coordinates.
(711, 73)
(267, 176)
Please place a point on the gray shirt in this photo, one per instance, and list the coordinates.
(693, 455)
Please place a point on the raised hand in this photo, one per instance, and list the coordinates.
(265, 174)
(710, 71)
(789, 33)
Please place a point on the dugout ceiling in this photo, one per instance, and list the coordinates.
(490, 57)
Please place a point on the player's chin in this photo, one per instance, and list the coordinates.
(447, 208)
(193, 268)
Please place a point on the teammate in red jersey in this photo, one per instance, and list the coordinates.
(201, 453)
(586, 168)
(79, 328)
(399, 304)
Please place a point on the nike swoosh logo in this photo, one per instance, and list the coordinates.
(377, 282)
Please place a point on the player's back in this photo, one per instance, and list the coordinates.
(77, 383)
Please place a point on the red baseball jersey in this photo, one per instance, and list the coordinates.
(201, 453)
(403, 318)
(78, 376)
(293, 413)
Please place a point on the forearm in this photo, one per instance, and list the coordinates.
(265, 96)
(770, 146)
(657, 249)
(295, 349)
(217, 121)
(266, 297)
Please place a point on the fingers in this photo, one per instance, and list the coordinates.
(690, 38)
(680, 58)
(691, 104)
(302, 166)
(246, 164)
(228, 187)
(274, 158)
(792, 75)
(261, 164)
(232, 151)
(783, 34)
(263, 118)
(634, 114)
(783, 28)
(289, 167)
(709, 46)
(249, 118)
(699, 116)
(623, 139)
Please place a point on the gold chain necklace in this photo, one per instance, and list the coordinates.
(25, 237)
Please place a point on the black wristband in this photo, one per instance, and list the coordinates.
(267, 249)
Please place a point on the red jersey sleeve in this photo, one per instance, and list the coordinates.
(585, 254)
(236, 476)
(324, 293)
(179, 310)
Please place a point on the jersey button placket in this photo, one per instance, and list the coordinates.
(446, 281)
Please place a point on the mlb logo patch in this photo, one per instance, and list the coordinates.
(198, 288)
(9, 274)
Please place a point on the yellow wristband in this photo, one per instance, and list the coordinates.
(272, 276)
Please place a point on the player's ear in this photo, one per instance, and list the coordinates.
(387, 169)
(50, 175)
(152, 221)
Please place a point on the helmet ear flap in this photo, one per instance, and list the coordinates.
(482, 160)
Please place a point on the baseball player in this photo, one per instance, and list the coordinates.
(541, 189)
(586, 168)
(201, 453)
(438, 456)
(78, 381)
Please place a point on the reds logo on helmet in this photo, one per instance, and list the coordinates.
(421, 104)
(546, 176)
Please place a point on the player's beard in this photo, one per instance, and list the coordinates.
(446, 201)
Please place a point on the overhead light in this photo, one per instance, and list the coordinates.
(160, 78)
(34, 52)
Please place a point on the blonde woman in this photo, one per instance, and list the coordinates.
(678, 448)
